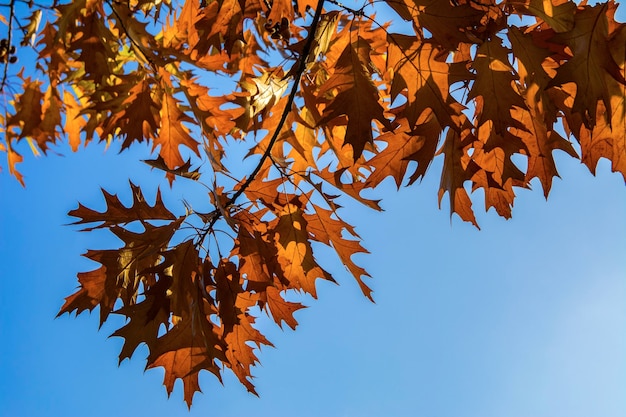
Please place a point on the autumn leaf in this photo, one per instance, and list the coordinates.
(117, 213)
(422, 70)
(329, 230)
(558, 14)
(280, 309)
(357, 96)
(457, 169)
(494, 89)
(145, 319)
(173, 134)
(29, 109)
(98, 287)
(590, 63)
(183, 351)
(294, 250)
(139, 119)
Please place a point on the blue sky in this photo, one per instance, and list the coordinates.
(525, 318)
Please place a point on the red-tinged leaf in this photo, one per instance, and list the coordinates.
(540, 144)
(591, 63)
(97, 288)
(117, 213)
(353, 189)
(558, 14)
(493, 153)
(494, 89)
(306, 5)
(173, 134)
(606, 139)
(532, 60)
(498, 196)
(182, 264)
(281, 9)
(357, 97)
(457, 169)
(189, 347)
(95, 45)
(421, 69)
(47, 133)
(228, 288)
(146, 318)
(239, 353)
(181, 364)
(404, 145)
(448, 23)
(329, 230)
(28, 109)
(140, 118)
(207, 108)
(295, 253)
(258, 257)
(183, 171)
(281, 309)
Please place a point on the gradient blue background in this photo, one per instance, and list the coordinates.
(526, 317)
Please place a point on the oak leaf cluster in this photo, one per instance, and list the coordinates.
(331, 100)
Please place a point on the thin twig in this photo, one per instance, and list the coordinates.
(133, 41)
(9, 30)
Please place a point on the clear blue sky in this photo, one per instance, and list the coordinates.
(525, 318)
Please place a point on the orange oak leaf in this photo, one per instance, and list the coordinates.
(591, 61)
(295, 253)
(325, 228)
(28, 109)
(457, 169)
(98, 287)
(13, 158)
(494, 89)
(140, 117)
(239, 334)
(558, 14)
(357, 96)
(187, 348)
(173, 134)
(145, 318)
(403, 145)
(117, 213)
(449, 23)
(258, 257)
(540, 144)
(74, 122)
(422, 70)
(281, 309)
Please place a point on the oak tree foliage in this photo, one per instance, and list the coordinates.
(331, 100)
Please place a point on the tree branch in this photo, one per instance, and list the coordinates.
(292, 95)
(218, 213)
